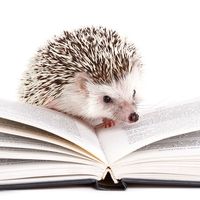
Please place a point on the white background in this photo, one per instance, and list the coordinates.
(167, 33)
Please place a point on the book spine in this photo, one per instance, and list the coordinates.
(108, 183)
(103, 185)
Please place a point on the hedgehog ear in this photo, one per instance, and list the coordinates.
(81, 79)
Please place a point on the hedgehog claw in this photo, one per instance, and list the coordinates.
(108, 123)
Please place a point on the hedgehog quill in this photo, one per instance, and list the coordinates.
(90, 73)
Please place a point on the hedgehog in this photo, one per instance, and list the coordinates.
(91, 73)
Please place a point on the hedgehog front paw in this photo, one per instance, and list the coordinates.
(107, 123)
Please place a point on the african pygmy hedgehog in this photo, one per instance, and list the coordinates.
(90, 73)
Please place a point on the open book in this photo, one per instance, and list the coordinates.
(43, 148)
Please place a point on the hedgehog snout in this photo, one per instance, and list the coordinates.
(127, 112)
(133, 117)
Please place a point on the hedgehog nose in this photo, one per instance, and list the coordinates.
(133, 117)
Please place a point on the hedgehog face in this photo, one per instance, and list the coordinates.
(117, 101)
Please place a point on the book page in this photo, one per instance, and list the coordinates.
(181, 143)
(14, 141)
(29, 156)
(30, 132)
(162, 123)
(178, 155)
(55, 122)
(183, 147)
(8, 153)
(11, 170)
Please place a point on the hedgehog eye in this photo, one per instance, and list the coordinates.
(107, 99)
(134, 92)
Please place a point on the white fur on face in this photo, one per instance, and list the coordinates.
(88, 103)
(121, 92)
